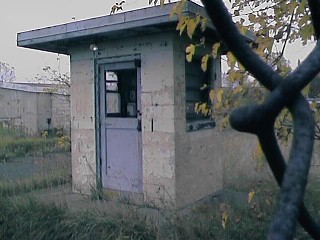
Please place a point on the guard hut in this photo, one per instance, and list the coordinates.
(133, 126)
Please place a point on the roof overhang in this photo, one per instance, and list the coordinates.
(60, 38)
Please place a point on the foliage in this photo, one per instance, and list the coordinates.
(259, 119)
(60, 82)
(274, 24)
(7, 73)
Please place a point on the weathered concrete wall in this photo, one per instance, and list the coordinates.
(25, 110)
(83, 145)
(44, 110)
(198, 166)
(158, 145)
(29, 107)
(157, 101)
(61, 112)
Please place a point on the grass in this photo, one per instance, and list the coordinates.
(12, 188)
(34, 220)
(15, 143)
(31, 219)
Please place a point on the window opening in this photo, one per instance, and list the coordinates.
(121, 93)
(198, 86)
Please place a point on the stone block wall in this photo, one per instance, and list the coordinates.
(61, 112)
(157, 102)
(83, 144)
(198, 166)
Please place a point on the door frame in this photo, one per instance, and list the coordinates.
(119, 63)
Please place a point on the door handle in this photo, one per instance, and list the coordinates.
(139, 125)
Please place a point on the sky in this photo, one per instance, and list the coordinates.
(18, 16)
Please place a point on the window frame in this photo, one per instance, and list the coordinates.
(208, 77)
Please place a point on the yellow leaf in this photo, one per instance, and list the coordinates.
(178, 9)
(182, 24)
(224, 220)
(204, 23)
(252, 18)
(212, 95)
(191, 26)
(268, 201)
(237, 90)
(204, 62)
(250, 196)
(224, 215)
(203, 87)
(232, 76)
(217, 106)
(258, 156)
(196, 107)
(231, 60)
(257, 152)
(220, 95)
(225, 122)
(190, 50)
(313, 106)
(215, 49)
(306, 90)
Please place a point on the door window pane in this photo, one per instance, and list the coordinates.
(121, 93)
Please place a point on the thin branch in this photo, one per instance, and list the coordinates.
(286, 40)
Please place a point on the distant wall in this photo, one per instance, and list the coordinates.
(29, 107)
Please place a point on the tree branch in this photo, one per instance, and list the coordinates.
(256, 119)
(314, 6)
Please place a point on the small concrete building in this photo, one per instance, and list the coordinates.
(134, 129)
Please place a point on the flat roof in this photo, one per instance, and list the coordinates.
(33, 87)
(59, 38)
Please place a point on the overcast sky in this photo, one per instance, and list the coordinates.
(17, 16)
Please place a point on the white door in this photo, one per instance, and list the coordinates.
(120, 86)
